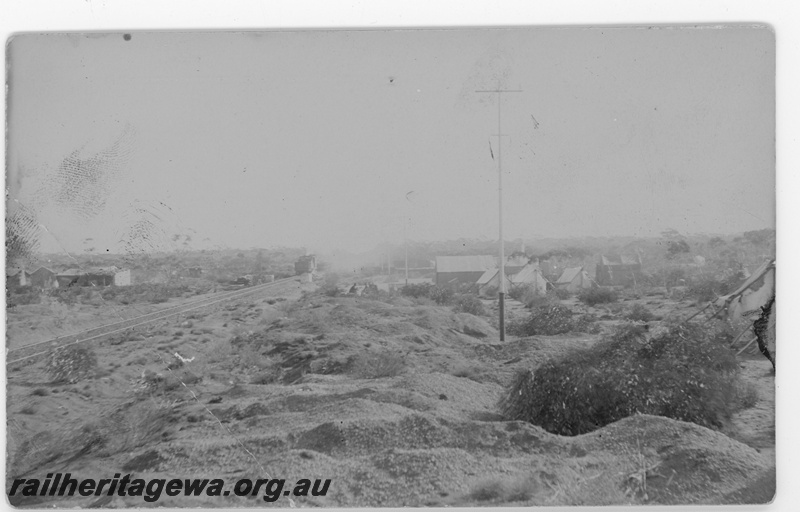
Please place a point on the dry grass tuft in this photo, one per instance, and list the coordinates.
(376, 365)
(504, 490)
(71, 364)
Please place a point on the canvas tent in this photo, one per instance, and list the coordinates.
(753, 293)
(755, 297)
(529, 275)
(574, 279)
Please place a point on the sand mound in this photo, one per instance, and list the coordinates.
(394, 401)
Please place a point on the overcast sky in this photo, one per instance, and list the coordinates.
(343, 138)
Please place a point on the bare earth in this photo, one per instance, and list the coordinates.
(395, 402)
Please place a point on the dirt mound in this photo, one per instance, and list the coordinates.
(455, 395)
(394, 401)
(679, 462)
(475, 326)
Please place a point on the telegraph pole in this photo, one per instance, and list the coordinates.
(405, 241)
(405, 230)
(500, 135)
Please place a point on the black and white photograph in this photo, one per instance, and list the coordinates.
(467, 266)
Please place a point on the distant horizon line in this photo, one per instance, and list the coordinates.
(534, 238)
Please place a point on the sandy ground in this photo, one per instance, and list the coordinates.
(40, 322)
(395, 402)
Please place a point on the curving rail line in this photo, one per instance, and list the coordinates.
(33, 350)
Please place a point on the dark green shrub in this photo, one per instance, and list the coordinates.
(640, 313)
(68, 296)
(705, 290)
(517, 293)
(417, 290)
(71, 364)
(330, 285)
(684, 373)
(586, 323)
(559, 293)
(594, 296)
(547, 320)
(22, 296)
(439, 295)
(108, 292)
(466, 303)
(442, 296)
(708, 288)
(534, 300)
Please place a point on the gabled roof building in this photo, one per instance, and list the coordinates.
(456, 271)
(619, 270)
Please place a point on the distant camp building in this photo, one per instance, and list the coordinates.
(43, 277)
(619, 270)
(17, 277)
(574, 279)
(305, 264)
(99, 276)
(457, 271)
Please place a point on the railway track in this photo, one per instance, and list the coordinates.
(38, 349)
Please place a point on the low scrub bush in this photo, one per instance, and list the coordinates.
(559, 293)
(534, 300)
(586, 323)
(437, 294)
(417, 290)
(330, 285)
(71, 364)
(547, 320)
(22, 296)
(375, 365)
(640, 313)
(442, 296)
(684, 373)
(705, 290)
(516, 293)
(466, 303)
(594, 296)
(531, 297)
(69, 296)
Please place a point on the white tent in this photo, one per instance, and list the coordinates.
(755, 297)
(574, 279)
